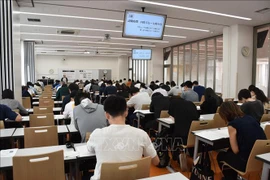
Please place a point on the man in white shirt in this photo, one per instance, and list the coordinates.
(68, 113)
(87, 88)
(161, 91)
(119, 142)
(138, 99)
(175, 90)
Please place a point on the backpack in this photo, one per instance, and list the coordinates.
(161, 146)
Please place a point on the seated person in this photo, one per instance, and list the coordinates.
(251, 90)
(110, 89)
(25, 93)
(63, 91)
(143, 88)
(138, 99)
(259, 95)
(68, 113)
(87, 115)
(161, 90)
(107, 143)
(243, 132)
(159, 103)
(8, 100)
(188, 94)
(71, 87)
(211, 102)
(9, 116)
(175, 90)
(153, 86)
(31, 88)
(198, 89)
(38, 88)
(250, 106)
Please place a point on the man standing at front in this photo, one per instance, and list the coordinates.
(119, 142)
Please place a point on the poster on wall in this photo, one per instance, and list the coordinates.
(70, 74)
(85, 75)
(80, 74)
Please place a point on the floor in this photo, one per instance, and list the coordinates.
(155, 171)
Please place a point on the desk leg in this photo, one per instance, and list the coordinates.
(196, 147)
(265, 171)
(77, 170)
(159, 127)
(139, 120)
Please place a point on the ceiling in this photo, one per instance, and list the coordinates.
(81, 16)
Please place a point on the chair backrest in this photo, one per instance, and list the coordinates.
(46, 102)
(63, 97)
(43, 110)
(2, 125)
(218, 121)
(45, 97)
(164, 114)
(26, 102)
(36, 120)
(228, 99)
(40, 136)
(218, 109)
(16, 110)
(145, 106)
(126, 170)
(41, 167)
(259, 147)
(195, 126)
(267, 131)
(47, 93)
(87, 136)
(265, 117)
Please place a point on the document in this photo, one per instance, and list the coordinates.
(214, 134)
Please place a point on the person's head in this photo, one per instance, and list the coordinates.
(129, 79)
(195, 83)
(109, 83)
(208, 93)
(125, 79)
(251, 87)
(173, 84)
(137, 81)
(157, 81)
(143, 86)
(182, 85)
(29, 84)
(243, 95)
(73, 87)
(157, 94)
(118, 87)
(79, 97)
(103, 85)
(64, 76)
(7, 94)
(228, 111)
(152, 83)
(73, 94)
(260, 95)
(115, 108)
(168, 83)
(57, 81)
(120, 81)
(188, 85)
(134, 91)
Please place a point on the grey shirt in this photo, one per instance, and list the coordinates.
(14, 104)
(88, 117)
(254, 109)
(190, 95)
(175, 91)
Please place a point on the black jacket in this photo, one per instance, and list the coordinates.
(210, 106)
(158, 104)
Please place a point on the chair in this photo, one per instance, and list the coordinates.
(26, 102)
(218, 109)
(40, 136)
(63, 97)
(43, 110)
(47, 102)
(87, 136)
(2, 124)
(218, 121)
(265, 117)
(164, 114)
(228, 99)
(36, 120)
(126, 170)
(267, 131)
(41, 167)
(45, 97)
(254, 165)
(145, 106)
(16, 111)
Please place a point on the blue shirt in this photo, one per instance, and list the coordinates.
(199, 90)
(7, 113)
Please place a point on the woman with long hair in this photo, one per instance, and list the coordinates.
(211, 102)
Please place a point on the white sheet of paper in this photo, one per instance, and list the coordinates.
(82, 150)
(214, 134)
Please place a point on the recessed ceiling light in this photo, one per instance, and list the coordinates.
(187, 28)
(83, 47)
(191, 9)
(89, 42)
(173, 36)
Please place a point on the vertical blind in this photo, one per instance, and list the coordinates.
(29, 61)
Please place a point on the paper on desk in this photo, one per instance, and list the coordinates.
(214, 134)
(263, 125)
(82, 150)
(70, 154)
(9, 152)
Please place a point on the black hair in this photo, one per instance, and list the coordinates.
(157, 81)
(115, 106)
(120, 80)
(134, 90)
(168, 83)
(260, 95)
(173, 84)
(182, 85)
(143, 86)
(109, 82)
(244, 93)
(7, 94)
(188, 84)
(73, 93)
(73, 87)
(195, 83)
(125, 79)
(251, 87)
(210, 93)
(157, 94)
(80, 96)
(137, 81)
(29, 84)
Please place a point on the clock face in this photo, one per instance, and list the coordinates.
(51, 71)
(245, 51)
(105, 71)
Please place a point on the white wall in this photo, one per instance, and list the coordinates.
(46, 62)
(155, 66)
(237, 69)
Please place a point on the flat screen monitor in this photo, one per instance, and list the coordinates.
(143, 25)
(141, 54)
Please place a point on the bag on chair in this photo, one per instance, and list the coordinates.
(161, 146)
(183, 161)
(202, 169)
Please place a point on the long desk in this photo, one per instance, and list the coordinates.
(142, 113)
(55, 109)
(265, 158)
(72, 129)
(57, 117)
(6, 133)
(172, 176)
(55, 102)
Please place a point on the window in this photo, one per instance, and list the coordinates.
(202, 62)
(219, 67)
(181, 65)
(175, 64)
(210, 63)
(138, 70)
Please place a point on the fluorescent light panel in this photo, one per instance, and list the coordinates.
(89, 42)
(94, 37)
(87, 47)
(101, 19)
(192, 9)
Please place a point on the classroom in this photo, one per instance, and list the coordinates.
(134, 89)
